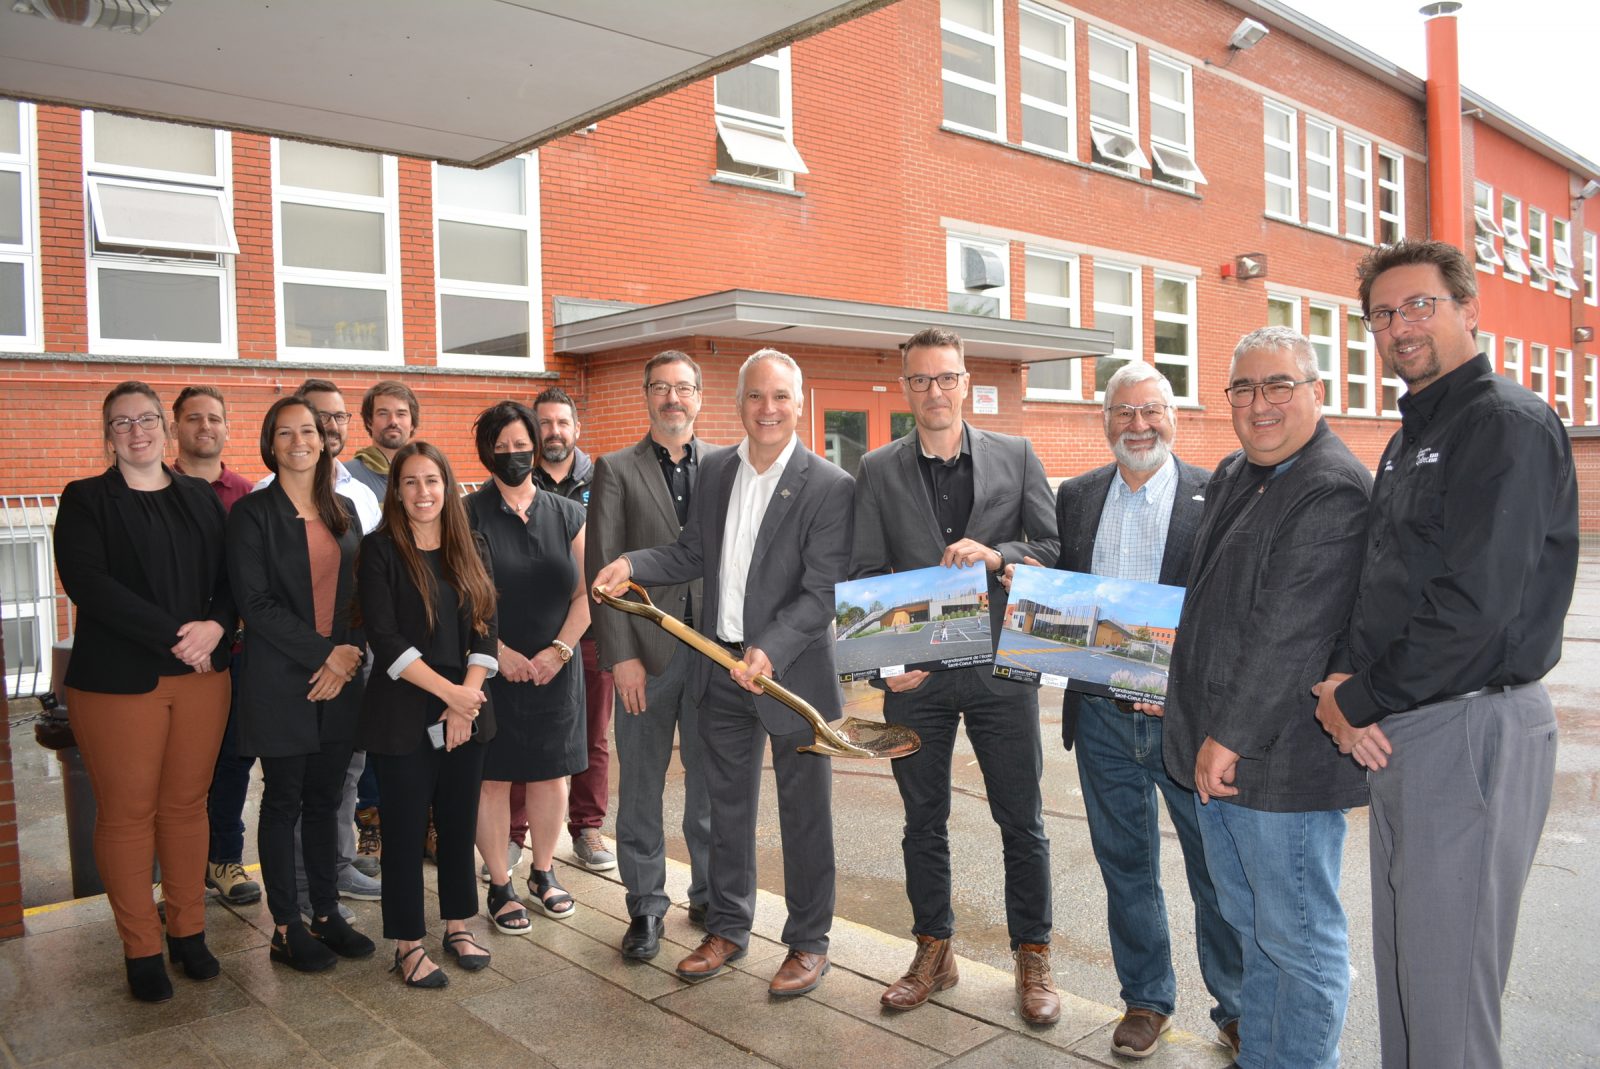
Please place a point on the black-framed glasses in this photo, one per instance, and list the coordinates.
(339, 419)
(1277, 392)
(1415, 310)
(661, 389)
(1151, 412)
(947, 380)
(124, 424)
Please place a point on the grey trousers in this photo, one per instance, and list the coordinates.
(644, 751)
(1456, 818)
(347, 832)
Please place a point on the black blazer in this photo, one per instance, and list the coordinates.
(124, 637)
(269, 567)
(1079, 503)
(394, 713)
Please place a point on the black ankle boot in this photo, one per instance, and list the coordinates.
(190, 952)
(147, 979)
(296, 948)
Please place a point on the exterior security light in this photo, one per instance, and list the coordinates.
(1248, 34)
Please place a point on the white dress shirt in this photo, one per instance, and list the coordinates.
(368, 512)
(747, 507)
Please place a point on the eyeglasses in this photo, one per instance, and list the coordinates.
(341, 419)
(1151, 412)
(1277, 392)
(124, 424)
(1413, 311)
(947, 380)
(682, 389)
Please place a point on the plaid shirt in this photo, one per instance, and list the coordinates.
(1132, 537)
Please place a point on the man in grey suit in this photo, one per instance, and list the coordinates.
(1136, 519)
(1276, 564)
(769, 533)
(640, 498)
(957, 496)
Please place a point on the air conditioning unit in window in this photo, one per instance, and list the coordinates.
(981, 269)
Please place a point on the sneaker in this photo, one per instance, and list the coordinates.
(513, 855)
(592, 852)
(309, 918)
(229, 880)
(354, 884)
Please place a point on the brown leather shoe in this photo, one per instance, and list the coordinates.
(800, 972)
(1037, 1001)
(708, 959)
(1139, 1032)
(1228, 1036)
(933, 969)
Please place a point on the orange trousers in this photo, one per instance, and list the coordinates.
(150, 758)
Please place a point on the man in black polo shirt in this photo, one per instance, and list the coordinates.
(1472, 550)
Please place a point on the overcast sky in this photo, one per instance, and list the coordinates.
(1534, 58)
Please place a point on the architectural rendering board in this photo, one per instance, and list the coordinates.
(927, 618)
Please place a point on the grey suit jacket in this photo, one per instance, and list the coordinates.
(801, 551)
(1079, 503)
(1264, 610)
(1012, 513)
(629, 508)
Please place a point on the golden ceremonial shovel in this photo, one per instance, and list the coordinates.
(851, 738)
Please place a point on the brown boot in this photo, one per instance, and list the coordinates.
(1037, 1001)
(933, 969)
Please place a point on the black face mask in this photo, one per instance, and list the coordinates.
(513, 469)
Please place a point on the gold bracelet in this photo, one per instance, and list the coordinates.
(563, 649)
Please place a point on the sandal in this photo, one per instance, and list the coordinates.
(558, 906)
(512, 921)
(454, 942)
(435, 979)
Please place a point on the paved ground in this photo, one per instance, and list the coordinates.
(1059, 659)
(933, 642)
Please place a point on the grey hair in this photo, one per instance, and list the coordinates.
(1278, 339)
(1135, 371)
(767, 354)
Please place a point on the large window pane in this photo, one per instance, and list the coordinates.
(1104, 368)
(978, 14)
(13, 314)
(1113, 287)
(10, 127)
(337, 170)
(1044, 81)
(1168, 124)
(19, 574)
(474, 253)
(1046, 128)
(1177, 375)
(120, 140)
(963, 55)
(1044, 35)
(1167, 81)
(752, 87)
(1046, 274)
(10, 208)
(969, 107)
(1110, 104)
(494, 189)
(1172, 339)
(22, 644)
(1172, 296)
(332, 239)
(1108, 59)
(1051, 374)
(152, 306)
(483, 326)
(333, 317)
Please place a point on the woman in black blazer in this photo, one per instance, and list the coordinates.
(140, 552)
(428, 603)
(291, 559)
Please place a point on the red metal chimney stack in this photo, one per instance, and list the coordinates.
(1447, 180)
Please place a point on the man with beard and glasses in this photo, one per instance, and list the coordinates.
(1136, 519)
(389, 412)
(641, 499)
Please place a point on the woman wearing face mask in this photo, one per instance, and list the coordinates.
(536, 547)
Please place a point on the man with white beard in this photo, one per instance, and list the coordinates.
(1136, 519)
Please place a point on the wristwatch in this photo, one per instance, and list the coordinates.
(563, 649)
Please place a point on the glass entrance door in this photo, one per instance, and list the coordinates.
(849, 420)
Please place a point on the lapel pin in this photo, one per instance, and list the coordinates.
(784, 493)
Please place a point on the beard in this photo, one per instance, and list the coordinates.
(1143, 460)
(392, 437)
(555, 450)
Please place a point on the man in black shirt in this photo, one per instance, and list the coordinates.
(1471, 554)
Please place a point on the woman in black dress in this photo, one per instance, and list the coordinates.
(536, 544)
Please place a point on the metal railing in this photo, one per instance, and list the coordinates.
(34, 610)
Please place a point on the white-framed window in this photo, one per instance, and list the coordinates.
(1172, 124)
(1591, 390)
(1322, 328)
(755, 122)
(1175, 341)
(336, 234)
(1357, 188)
(1538, 369)
(486, 264)
(1562, 265)
(1486, 228)
(1283, 310)
(1538, 250)
(1114, 103)
(1486, 346)
(1358, 375)
(978, 273)
(160, 238)
(1052, 297)
(1322, 175)
(973, 65)
(1390, 392)
(1511, 362)
(27, 611)
(1563, 392)
(1117, 299)
(1391, 197)
(1282, 177)
(1591, 257)
(19, 238)
(1049, 82)
(1514, 245)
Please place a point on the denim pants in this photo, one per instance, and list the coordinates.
(1277, 880)
(1121, 770)
(230, 783)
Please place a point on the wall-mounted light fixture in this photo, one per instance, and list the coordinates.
(1582, 335)
(1247, 35)
(1251, 265)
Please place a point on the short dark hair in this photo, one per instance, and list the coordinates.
(670, 356)
(188, 393)
(932, 338)
(390, 388)
(1459, 276)
(554, 395)
(494, 419)
(317, 386)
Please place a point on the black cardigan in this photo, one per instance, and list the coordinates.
(395, 714)
(269, 566)
(124, 637)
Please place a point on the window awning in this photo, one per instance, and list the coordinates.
(753, 146)
(147, 215)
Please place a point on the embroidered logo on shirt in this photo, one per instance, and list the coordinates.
(1427, 456)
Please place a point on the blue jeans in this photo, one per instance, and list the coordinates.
(1277, 880)
(230, 783)
(1120, 768)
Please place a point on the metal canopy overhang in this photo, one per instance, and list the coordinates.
(779, 319)
(468, 82)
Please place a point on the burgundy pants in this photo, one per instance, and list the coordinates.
(586, 800)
